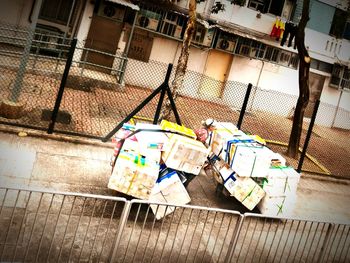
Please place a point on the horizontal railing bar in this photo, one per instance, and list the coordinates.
(211, 209)
(34, 190)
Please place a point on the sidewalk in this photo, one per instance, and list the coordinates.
(60, 163)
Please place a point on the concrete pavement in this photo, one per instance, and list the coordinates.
(54, 162)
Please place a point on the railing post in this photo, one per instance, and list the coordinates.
(123, 220)
(62, 86)
(234, 239)
(325, 243)
(308, 136)
(244, 106)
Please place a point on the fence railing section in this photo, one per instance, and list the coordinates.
(41, 226)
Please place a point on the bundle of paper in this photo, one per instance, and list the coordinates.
(170, 126)
(280, 186)
(168, 189)
(184, 154)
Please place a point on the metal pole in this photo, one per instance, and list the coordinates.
(308, 136)
(244, 106)
(17, 87)
(126, 51)
(123, 220)
(62, 86)
(159, 106)
(337, 109)
(256, 86)
(163, 86)
(65, 33)
(325, 243)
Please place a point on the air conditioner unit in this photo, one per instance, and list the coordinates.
(146, 22)
(208, 38)
(171, 29)
(226, 45)
(111, 11)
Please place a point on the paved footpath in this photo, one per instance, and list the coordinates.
(54, 162)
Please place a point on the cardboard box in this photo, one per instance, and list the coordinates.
(222, 135)
(134, 175)
(277, 205)
(281, 181)
(170, 126)
(245, 190)
(184, 154)
(222, 168)
(251, 161)
(150, 139)
(168, 189)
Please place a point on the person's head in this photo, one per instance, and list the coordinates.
(209, 124)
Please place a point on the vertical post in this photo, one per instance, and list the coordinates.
(234, 239)
(62, 85)
(165, 90)
(337, 109)
(123, 220)
(126, 50)
(244, 106)
(308, 136)
(17, 87)
(325, 243)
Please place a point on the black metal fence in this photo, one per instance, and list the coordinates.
(101, 89)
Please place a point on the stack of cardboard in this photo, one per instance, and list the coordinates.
(251, 172)
(280, 186)
(153, 162)
(138, 158)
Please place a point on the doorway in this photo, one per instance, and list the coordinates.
(215, 73)
(103, 36)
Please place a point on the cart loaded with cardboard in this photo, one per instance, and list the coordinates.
(157, 162)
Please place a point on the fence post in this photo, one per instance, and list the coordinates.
(123, 220)
(244, 106)
(308, 136)
(62, 85)
(325, 243)
(234, 239)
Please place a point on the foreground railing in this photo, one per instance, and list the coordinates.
(41, 226)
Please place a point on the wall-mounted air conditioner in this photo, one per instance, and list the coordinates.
(111, 11)
(225, 44)
(208, 38)
(146, 22)
(171, 29)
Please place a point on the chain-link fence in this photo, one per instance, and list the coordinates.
(101, 89)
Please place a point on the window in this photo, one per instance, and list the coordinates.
(271, 54)
(267, 6)
(56, 11)
(340, 77)
(320, 65)
(339, 24)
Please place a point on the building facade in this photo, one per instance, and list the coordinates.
(242, 43)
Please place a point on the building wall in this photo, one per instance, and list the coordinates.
(15, 12)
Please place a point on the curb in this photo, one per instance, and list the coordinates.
(57, 137)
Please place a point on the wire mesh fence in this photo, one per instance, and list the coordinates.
(43, 226)
(103, 88)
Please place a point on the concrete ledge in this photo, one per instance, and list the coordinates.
(11, 110)
(58, 137)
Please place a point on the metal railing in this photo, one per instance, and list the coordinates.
(41, 226)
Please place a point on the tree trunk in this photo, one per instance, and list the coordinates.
(183, 59)
(304, 92)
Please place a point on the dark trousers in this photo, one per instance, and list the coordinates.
(290, 30)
